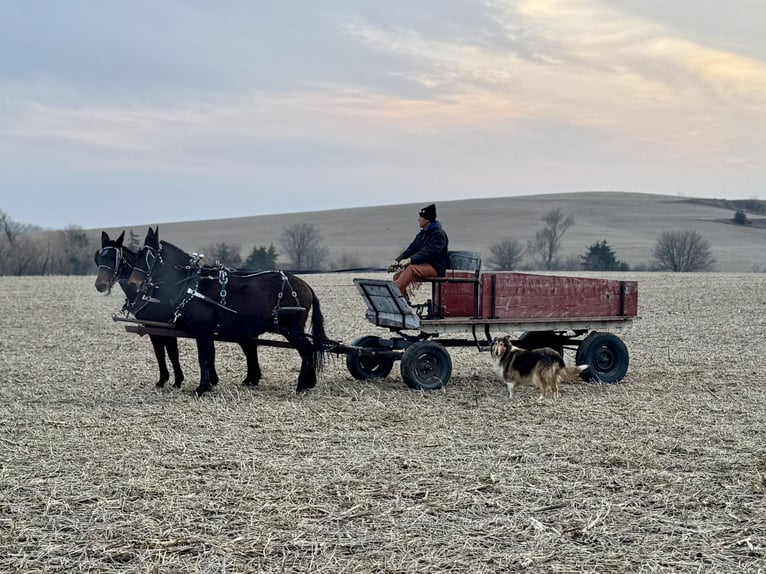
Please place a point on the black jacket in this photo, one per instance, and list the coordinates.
(429, 246)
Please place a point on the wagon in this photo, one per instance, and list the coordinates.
(559, 312)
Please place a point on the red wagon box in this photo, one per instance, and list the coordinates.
(510, 295)
(456, 295)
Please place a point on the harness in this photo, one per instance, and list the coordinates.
(279, 307)
(118, 261)
(195, 273)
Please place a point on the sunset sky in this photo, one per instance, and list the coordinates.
(119, 113)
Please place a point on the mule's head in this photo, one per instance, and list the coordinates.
(146, 259)
(108, 259)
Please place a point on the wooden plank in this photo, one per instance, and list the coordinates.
(386, 307)
(455, 296)
(509, 295)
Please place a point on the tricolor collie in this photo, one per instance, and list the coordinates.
(543, 368)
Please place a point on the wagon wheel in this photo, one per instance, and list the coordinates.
(606, 355)
(426, 365)
(368, 367)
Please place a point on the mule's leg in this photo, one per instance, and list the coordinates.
(206, 355)
(253, 367)
(212, 373)
(159, 352)
(307, 378)
(171, 345)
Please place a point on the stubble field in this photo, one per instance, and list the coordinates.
(101, 472)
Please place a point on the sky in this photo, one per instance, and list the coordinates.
(120, 113)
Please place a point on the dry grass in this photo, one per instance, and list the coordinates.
(100, 472)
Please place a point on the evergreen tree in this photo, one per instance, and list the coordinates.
(600, 257)
(262, 258)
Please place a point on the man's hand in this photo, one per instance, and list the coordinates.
(393, 266)
(404, 262)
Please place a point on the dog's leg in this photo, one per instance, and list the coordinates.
(509, 386)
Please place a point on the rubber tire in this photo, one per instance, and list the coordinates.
(426, 366)
(606, 355)
(363, 368)
(531, 340)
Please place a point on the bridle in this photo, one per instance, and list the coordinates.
(119, 261)
(146, 266)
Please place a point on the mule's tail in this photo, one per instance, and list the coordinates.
(318, 335)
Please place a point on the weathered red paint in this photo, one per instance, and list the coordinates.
(456, 299)
(511, 295)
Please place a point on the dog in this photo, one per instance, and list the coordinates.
(543, 368)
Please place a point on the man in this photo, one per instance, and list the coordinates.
(426, 256)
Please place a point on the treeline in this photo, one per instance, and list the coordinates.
(28, 250)
(70, 251)
(675, 250)
(24, 252)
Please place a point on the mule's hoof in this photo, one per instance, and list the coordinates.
(159, 384)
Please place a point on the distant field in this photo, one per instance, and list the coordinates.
(101, 472)
(370, 237)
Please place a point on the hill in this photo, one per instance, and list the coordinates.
(630, 222)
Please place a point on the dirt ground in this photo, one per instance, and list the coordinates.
(102, 472)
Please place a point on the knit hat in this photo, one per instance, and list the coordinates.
(428, 212)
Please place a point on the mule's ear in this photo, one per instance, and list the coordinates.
(104, 239)
(153, 238)
(118, 241)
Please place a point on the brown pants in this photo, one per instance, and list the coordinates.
(408, 278)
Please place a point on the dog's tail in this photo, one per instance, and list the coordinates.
(572, 372)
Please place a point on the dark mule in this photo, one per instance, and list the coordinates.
(115, 264)
(233, 305)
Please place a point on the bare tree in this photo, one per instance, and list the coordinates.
(505, 254)
(547, 241)
(10, 228)
(134, 241)
(683, 251)
(303, 246)
(73, 252)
